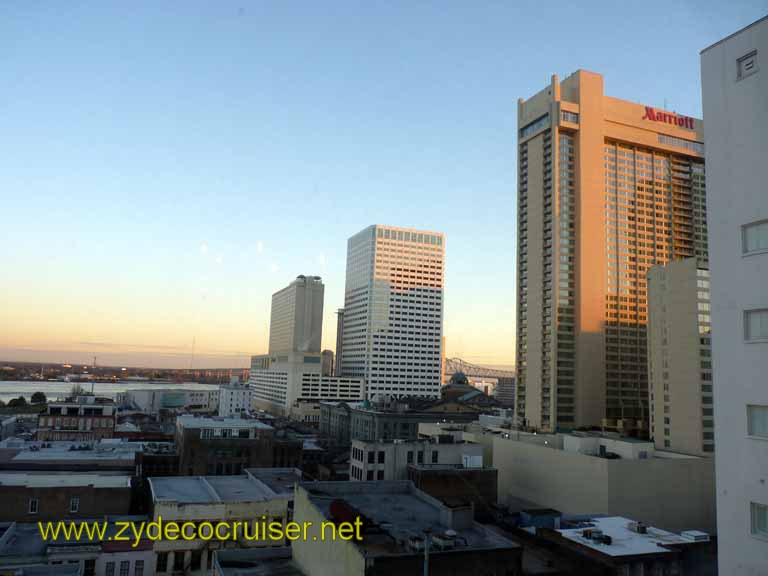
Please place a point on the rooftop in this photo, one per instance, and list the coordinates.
(190, 421)
(212, 489)
(398, 514)
(625, 541)
(281, 481)
(21, 541)
(65, 480)
(256, 562)
(109, 449)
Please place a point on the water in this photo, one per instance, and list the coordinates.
(10, 389)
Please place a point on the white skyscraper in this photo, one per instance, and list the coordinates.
(734, 75)
(393, 311)
(296, 323)
(289, 379)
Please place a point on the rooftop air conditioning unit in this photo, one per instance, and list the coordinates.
(637, 527)
(445, 541)
(695, 535)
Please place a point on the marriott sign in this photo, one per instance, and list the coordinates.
(674, 119)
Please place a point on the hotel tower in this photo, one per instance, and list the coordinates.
(606, 189)
(393, 311)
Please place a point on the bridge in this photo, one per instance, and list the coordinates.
(453, 365)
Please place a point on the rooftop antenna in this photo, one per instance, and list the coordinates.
(192, 354)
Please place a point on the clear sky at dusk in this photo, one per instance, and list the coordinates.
(167, 166)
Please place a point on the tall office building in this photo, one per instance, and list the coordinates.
(393, 311)
(326, 360)
(291, 379)
(680, 358)
(606, 189)
(296, 322)
(339, 340)
(734, 74)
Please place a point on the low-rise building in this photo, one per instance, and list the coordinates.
(617, 546)
(244, 499)
(397, 520)
(219, 446)
(24, 553)
(234, 399)
(456, 482)
(82, 418)
(40, 497)
(175, 399)
(396, 420)
(389, 460)
(8, 427)
(586, 473)
(294, 385)
(108, 455)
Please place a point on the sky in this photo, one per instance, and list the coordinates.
(167, 166)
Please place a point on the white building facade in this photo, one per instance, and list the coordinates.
(734, 75)
(234, 400)
(393, 311)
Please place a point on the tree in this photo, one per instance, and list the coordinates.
(39, 398)
(19, 402)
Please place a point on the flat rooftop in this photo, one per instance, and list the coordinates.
(281, 481)
(211, 489)
(626, 542)
(35, 451)
(400, 512)
(22, 541)
(66, 480)
(190, 421)
(257, 562)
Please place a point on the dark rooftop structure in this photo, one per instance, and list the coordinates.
(395, 518)
(255, 562)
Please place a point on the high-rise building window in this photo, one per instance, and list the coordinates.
(756, 325)
(535, 126)
(755, 237)
(759, 520)
(757, 421)
(34, 503)
(74, 504)
(567, 116)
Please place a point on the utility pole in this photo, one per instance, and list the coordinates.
(427, 532)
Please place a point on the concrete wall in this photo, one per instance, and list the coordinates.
(674, 494)
(736, 113)
(318, 557)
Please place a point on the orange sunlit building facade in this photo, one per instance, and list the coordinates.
(606, 189)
